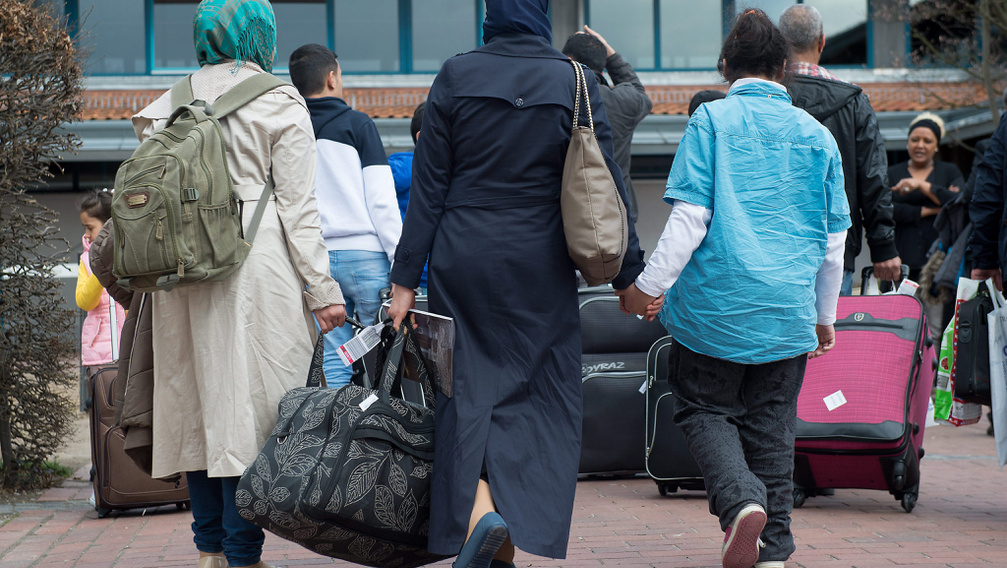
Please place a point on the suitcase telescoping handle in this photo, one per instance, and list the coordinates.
(868, 272)
(113, 314)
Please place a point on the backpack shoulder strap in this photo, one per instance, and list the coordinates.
(244, 93)
(181, 92)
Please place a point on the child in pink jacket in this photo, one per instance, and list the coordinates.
(96, 335)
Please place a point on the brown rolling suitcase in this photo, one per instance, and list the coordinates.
(119, 483)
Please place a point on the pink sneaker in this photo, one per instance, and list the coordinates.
(741, 540)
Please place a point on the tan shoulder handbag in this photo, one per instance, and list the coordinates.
(594, 215)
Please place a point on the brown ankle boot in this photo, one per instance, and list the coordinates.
(212, 561)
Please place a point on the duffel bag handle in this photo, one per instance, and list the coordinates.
(393, 362)
(395, 366)
(316, 375)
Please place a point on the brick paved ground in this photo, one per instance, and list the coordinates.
(960, 522)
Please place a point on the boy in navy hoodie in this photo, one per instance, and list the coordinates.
(359, 213)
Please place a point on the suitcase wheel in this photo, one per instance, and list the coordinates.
(183, 506)
(898, 475)
(102, 513)
(909, 502)
(799, 497)
(665, 488)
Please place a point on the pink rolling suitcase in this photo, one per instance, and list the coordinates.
(862, 408)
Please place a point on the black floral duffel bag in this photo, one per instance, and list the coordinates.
(346, 472)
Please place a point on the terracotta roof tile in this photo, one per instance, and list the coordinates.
(378, 103)
(400, 102)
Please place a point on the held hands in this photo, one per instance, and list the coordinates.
(633, 301)
(826, 340)
(330, 317)
(403, 299)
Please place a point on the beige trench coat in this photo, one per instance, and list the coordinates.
(226, 352)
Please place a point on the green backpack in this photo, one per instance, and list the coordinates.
(176, 218)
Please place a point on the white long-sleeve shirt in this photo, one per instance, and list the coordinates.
(685, 230)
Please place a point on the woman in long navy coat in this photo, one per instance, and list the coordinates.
(484, 207)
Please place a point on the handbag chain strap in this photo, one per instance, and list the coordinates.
(581, 88)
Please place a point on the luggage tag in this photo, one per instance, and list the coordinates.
(835, 400)
(908, 287)
(361, 344)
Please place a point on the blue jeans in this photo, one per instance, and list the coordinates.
(216, 525)
(361, 275)
(847, 287)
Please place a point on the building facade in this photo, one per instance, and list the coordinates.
(390, 51)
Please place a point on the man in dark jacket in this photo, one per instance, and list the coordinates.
(626, 101)
(844, 109)
(988, 244)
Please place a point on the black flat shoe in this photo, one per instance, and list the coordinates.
(488, 536)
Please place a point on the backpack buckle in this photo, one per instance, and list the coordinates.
(189, 194)
(167, 282)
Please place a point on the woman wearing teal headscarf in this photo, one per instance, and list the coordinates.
(237, 30)
(225, 352)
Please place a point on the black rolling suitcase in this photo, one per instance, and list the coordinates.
(668, 459)
(614, 374)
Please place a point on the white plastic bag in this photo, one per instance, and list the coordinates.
(946, 406)
(998, 368)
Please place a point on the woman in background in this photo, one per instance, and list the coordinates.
(923, 184)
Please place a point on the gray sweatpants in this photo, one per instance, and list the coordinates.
(739, 423)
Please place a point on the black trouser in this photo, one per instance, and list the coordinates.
(739, 422)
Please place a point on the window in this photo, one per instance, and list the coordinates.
(376, 36)
(693, 42)
(628, 26)
(441, 29)
(845, 26)
(113, 32)
(297, 23)
(173, 44)
(367, 35)
(772, 8)
(844, 23)
(417, 36)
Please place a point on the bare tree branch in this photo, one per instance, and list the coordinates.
(40, 91)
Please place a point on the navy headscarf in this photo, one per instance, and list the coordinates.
(517, 16)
